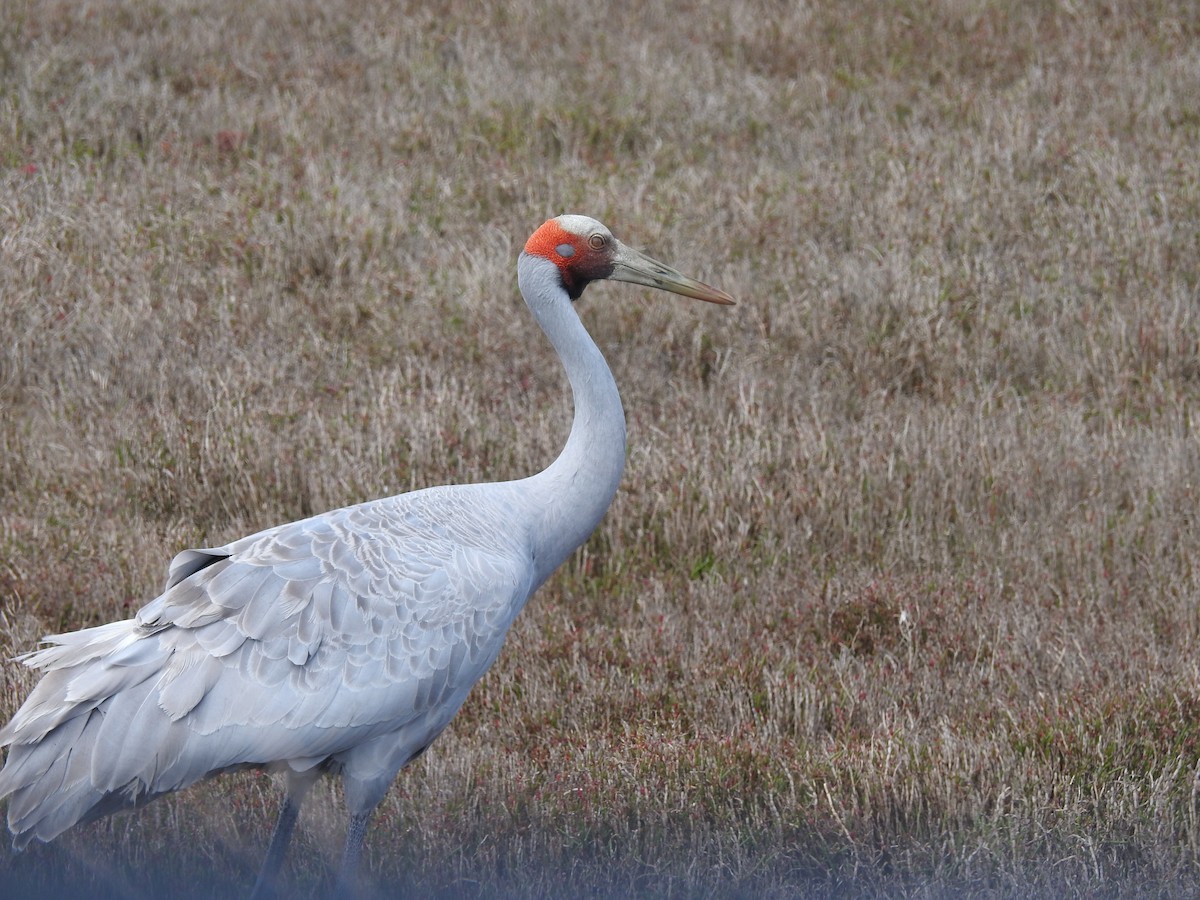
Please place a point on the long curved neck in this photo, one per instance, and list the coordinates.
(571, 496)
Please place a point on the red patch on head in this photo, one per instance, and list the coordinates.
(578, 268)
(546, 240)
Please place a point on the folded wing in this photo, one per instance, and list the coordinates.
(290, 646)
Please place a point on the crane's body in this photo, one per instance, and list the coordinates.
(343, 643)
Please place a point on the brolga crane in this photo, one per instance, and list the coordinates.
(339, 644)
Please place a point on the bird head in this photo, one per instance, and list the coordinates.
(585, 251)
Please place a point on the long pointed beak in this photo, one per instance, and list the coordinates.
(637, 268)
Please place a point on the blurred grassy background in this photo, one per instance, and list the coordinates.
(898, 597)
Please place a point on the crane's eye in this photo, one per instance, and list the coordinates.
(597, 241)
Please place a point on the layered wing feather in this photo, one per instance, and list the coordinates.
(293, 645)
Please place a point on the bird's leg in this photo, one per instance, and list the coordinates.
(289, 812)
(356, 831)
(264, 888)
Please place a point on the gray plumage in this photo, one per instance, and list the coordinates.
(343, 643)
(302, 644)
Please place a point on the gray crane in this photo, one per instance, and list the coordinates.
(343, 643)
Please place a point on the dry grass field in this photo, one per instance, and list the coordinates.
(899, 596)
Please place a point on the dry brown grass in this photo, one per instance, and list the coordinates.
(899, 596)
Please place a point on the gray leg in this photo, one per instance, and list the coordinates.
(264, 888)
(298, 784)
(356, 831)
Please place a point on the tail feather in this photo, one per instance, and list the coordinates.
(70, 801)
(127, 739)
(76, 647)
(40, 778)
(76, 680)
(91, 738)
(104, 733)
(111, 758)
